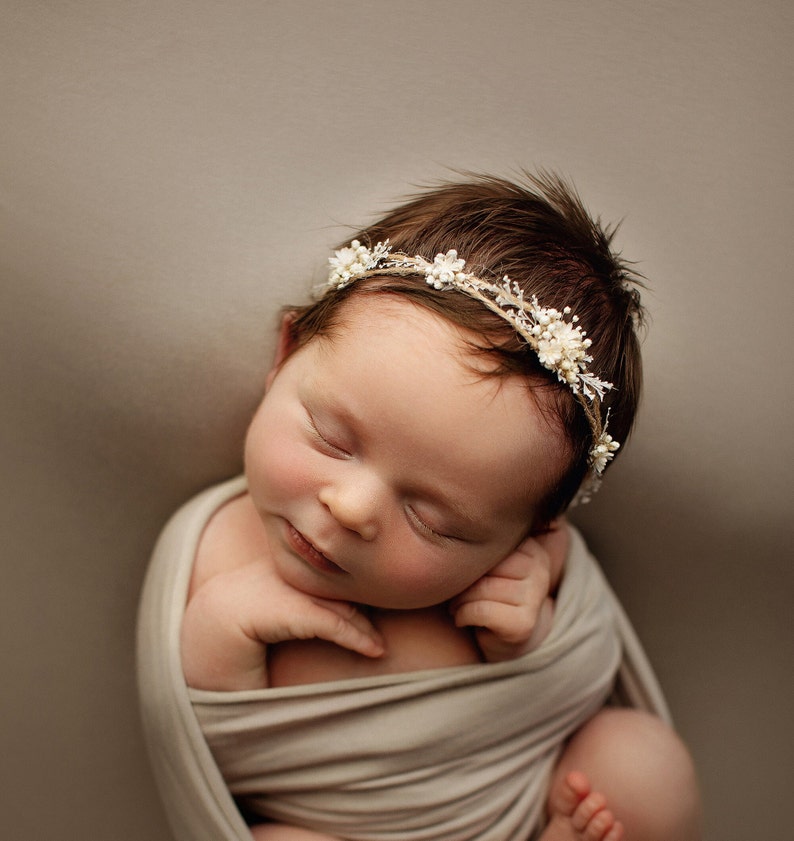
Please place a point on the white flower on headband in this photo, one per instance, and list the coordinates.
(560, 344)
(603, 452)
(445, 270)
(347, 263)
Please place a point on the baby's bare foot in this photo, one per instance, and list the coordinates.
(578, 814)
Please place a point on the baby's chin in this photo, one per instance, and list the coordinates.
(402, 602)
(344, 587)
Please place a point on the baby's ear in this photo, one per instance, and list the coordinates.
(284, 346)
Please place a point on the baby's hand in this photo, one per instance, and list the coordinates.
(234, 615)
(511, 607)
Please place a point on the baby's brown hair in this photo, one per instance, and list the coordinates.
(538, 232)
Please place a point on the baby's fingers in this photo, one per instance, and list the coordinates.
(341, 623)
(510, 623)
(517, 580)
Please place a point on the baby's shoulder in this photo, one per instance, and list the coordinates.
(232, 537)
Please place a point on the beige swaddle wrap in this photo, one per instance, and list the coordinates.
(447, 754)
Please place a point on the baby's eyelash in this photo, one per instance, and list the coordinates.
(428, 530)
(324, 442)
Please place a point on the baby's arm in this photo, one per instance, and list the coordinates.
(511, 607)
(234, 615)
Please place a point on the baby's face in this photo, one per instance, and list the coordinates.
(385, 471)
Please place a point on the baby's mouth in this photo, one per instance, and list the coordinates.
(309, 553)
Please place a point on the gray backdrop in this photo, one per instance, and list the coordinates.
(172, 172)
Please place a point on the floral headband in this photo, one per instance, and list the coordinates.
(560, 344)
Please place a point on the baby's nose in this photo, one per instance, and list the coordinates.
(354, 506)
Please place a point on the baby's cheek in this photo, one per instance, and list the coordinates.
(279, 468)
(432, 581)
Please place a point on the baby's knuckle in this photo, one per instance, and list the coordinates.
(524, 625)
(339, 626)
(477, 614)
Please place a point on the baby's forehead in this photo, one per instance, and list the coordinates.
(402, 318)
(393, 332)
(365, 304)
(395, 359)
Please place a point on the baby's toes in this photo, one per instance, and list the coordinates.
(599, 826)
(603, 827)
(569, 794)
(587, 810)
